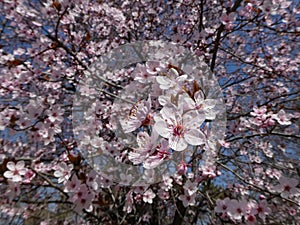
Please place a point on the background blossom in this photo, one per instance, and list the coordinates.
(15, 171)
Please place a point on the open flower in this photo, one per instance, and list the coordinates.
(188, 200)
(287, 187)
(228, 20)
(55, 114)
(190, 187)
(146, 146)
(139, 115)
(262, 209)
(222, 206)
(150, 152)
(141, 75)
(202, 105)
(154, 67)
(161, 153)
(171, 80)
(283, 118)
(15, 171)
(73, 184)
(237, 209)
(82, 198)
(63, 172)
(179, 128)
(148, 196)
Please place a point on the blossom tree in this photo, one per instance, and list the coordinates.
(149, 112)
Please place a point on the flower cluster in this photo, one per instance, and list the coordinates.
(150, 126)
(264, 118)
(236, 210)
(171, 117)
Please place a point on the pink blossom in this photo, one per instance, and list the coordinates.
(63, 172)
(148, 196)
(73, 184)
(190, 187)
(292, 211)
(182, 167)
(262, 209)
(228, 20)
(138, 115)
(13, 190)
(180, 129)
(246, 10)
(142, 75)
(44, 223)
(262, 117)
(92, 179)
(167, 183)
(161, 153)
(282, 117)
(237, 209)
(178, 178)
(82, 198)
(129, 204)
(146, 146)
(154, 67)
(140, 189)
(188, 200)
(208, 170)
(201, 105)
(268, 7)
(259, 111)
(15, 171)
(224, 143)
(164, 195)
(55, 114)
(250, 219)
(24, 123)
(149, 175)
(125, 179)
(172, 80)
(273, 173)
(29, 175)
(149, 151)
(145, 218)
(222, 205)
(287, 187)
(274, 6)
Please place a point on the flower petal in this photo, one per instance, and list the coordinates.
(16, 178)
(11, 166)
(168, 112)
(199, 97)
(162, 129)
(152, 162)
(185, 102)
(177, 143)
(194, 137)
(210, 114)
(192, 119)
(209, 103)
(163, 100)
(23, 171)
(58, 173)
(136, 158)
(20, 165)
(130, 125)
(142, 139)
(164, 82)
(8, 174)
